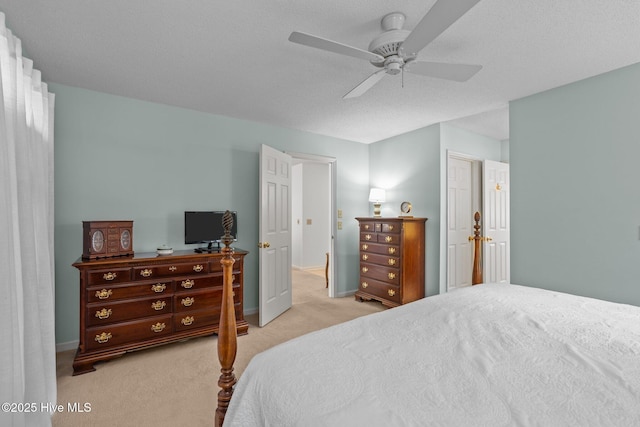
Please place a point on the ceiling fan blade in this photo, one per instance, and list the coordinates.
(439, 18)
(367, 84)
(331, 46)
(456, 72)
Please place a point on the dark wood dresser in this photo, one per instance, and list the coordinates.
(128, 303)
(392, 260)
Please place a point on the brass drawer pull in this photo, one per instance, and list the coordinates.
(365, 247)
(392, 261)
(158, 287)
(391, 292)
(188, 301)
(365, 269)
(110, 276)
(186, 321)
(187, 284)
(146, 272)
(390, 227)
(391, 276)
(103, 337)
(198, 268)
(104, 294)
(365, 257)
(367, 236)
(103, 314)
(388, 239)
(364, 285)
(158, 327)
(392, 251)
(158, 305)
(173, 268)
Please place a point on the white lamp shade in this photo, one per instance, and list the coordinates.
(376, 195)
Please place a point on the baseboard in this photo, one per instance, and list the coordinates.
(345, 294)
(249, 311)
(66, 346)
(297, 267)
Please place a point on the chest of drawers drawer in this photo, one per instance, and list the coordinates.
(376, 248)
(106, 313)
(109, 293)
(201, 300)
(381, 289)
(386, 260)
(173, 269)
(379, 272)
(102, 337)
(109, 277)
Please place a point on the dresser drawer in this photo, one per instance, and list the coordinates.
(379, 272)
(200, 318)
(368, 237)
(184, 284)
(380, 248)
(391, 227)
(193, 301)
(109, 276)
(380, 289)
(102, 337)
(370, 227)
(106, 313)
(389, 238)
(196, 319)
(128, 290)
(386, 260)
(175, 269)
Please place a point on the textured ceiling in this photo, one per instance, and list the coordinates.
(233, 58)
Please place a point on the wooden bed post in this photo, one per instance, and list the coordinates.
(476, 276)
(227, 333)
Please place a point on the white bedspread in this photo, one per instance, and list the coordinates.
(490, 355)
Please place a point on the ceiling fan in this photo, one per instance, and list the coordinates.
(395, 50)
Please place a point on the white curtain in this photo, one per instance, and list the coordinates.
(27, 333)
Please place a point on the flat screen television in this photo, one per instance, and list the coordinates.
(206, 227)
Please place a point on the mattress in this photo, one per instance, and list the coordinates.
(488, 355)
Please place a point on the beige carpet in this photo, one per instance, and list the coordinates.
(176, 384)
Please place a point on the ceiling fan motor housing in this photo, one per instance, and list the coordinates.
(388, 43)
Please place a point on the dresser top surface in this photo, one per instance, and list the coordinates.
(391, 218)
(178, 255)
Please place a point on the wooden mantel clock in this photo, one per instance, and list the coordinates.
(105, 239)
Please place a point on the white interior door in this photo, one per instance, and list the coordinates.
(459, 222)
(275, 234)
(496, 222)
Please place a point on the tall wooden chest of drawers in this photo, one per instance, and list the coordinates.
(129, 303)
(392, 260)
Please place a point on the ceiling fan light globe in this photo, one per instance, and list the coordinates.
(394, 67)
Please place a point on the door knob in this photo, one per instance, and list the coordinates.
(264, 244)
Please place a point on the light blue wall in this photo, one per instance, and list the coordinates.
(407, 167)
(119, 158)
(575, 205)
(412, 167)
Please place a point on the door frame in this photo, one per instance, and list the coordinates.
(333, 164)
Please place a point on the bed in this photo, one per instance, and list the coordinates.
(486, 355)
